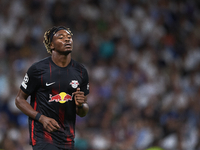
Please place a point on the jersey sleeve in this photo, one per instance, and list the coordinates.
(85, 84)
(31, 80)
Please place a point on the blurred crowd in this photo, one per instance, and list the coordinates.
(143, 60)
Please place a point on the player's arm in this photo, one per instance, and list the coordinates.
(82, 107)
(23, 105)
(48, 123)
(82, 110)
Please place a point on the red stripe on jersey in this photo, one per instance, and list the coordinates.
(50, 69)
(59, 81)
(54, 92)
(48, 137)
(32, 126)
(71, 130)
(61, 115)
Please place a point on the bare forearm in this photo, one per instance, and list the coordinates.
(82, 111)
(25, 107)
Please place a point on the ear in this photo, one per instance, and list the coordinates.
(51, 46)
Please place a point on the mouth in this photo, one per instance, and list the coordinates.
(67, 45)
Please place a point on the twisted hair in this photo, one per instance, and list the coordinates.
(48, 35)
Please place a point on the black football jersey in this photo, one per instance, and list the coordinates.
(51, 88)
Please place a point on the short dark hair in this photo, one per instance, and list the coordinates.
(48, 36)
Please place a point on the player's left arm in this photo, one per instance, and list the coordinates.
(83, 110)
(82, 107)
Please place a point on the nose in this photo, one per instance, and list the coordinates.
(68, 40)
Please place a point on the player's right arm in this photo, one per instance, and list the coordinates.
(48, 123)
(30, 84)
(23, 105)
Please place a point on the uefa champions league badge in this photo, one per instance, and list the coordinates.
(25, 81)
(74, 84)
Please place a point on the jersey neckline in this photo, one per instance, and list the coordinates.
(59, 66)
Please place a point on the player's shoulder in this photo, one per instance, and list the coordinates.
(42, 61)
(40, 65)
(77, 64)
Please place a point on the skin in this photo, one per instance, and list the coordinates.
(61, 45)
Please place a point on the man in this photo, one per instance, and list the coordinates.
(58, 86)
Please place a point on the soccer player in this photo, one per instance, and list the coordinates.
(58, 86)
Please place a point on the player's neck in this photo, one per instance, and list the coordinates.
(61, 60)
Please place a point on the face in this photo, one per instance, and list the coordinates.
(62, 42)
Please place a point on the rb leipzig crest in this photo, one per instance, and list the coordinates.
(74, 83)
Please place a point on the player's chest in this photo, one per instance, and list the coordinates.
(61, 80)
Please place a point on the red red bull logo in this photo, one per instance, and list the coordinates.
(61, 98)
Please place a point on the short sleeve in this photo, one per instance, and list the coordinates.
(85, 84)
(31, 80)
